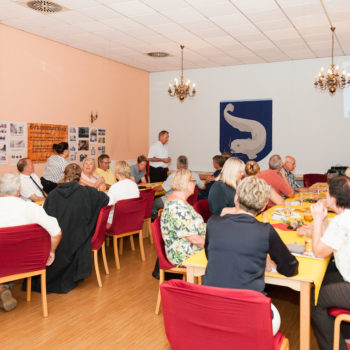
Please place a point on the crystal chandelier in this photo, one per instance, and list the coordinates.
(332, 80)
(182, 90)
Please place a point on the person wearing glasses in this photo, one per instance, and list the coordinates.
(103, 170)
(183, 229)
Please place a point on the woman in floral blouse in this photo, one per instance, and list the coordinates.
(183, 229)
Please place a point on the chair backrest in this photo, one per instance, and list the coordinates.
(100, 231)
(159, 245)
(310, 179)
(148, 195)
(23, 249)
(202, 208)
(201, 318)
(128, 216)
(193, 198)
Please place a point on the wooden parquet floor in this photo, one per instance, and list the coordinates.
(118, 316)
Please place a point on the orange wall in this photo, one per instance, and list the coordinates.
(46, 82)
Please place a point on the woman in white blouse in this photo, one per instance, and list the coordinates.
(89, 177)
(327, 239)
(54, 167)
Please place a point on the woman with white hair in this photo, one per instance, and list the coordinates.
(89, 176)
(183, 229)
(237, 244)
(223, 191)
(125, 188)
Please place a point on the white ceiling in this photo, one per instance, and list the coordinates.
(214, 32)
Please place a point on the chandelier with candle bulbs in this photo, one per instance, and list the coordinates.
(182, 90)
(333, 79)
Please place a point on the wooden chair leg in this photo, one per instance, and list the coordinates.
(150, 231)
(107, 240)
(104, 258)
(29, 288)
(43, 294)
(97, 270)
(121, 245)
(337, 323)
(199, 280)
(132, 244)
(161, 280)
(116, 256)
(285, 344)
(142, 250)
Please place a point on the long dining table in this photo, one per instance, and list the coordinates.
(311, 269)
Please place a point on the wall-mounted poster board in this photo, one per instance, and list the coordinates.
(41, 137)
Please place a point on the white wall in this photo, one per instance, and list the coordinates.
(307, 124)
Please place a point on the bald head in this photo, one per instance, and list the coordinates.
(289, 163)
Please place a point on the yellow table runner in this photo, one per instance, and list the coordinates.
(310, 269)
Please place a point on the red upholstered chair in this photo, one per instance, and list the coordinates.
(128, 220)
(23, 253)
(98, 241)
(148, 195)
(193, 198)
(340, 316)
(164, 264)
(205, 318)
(310, 179)
(202, 208)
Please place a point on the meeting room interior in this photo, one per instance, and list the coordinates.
(144, 143)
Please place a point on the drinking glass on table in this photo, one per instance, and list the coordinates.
(308, 216)
(287, 211)
(300, 198)
(308, 245)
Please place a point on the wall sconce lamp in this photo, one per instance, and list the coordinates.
(93, 117)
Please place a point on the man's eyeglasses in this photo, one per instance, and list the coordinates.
(106, 162)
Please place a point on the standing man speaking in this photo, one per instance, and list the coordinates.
(159, 159)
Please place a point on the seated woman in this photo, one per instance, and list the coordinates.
(253, 168)
(183, 229)
(237, 244)
(223, 191)
(334, 238)
(76, 208)
(89, 177)
(125, 188)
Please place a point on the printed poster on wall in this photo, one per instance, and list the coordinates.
(13, 141)
(3, 142)
(41, 137)
(246, 128)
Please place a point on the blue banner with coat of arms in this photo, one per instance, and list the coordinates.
(246, 128)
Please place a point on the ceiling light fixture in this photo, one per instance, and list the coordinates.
(157, 54)
(44, 6)
(332, 80)
(182, 90)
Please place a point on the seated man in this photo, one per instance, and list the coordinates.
(14, 211)
(288, 167)
(182, 163)
(31, 187)
(137, 171)
(277, 178)
(104, 171)
(218, 163)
